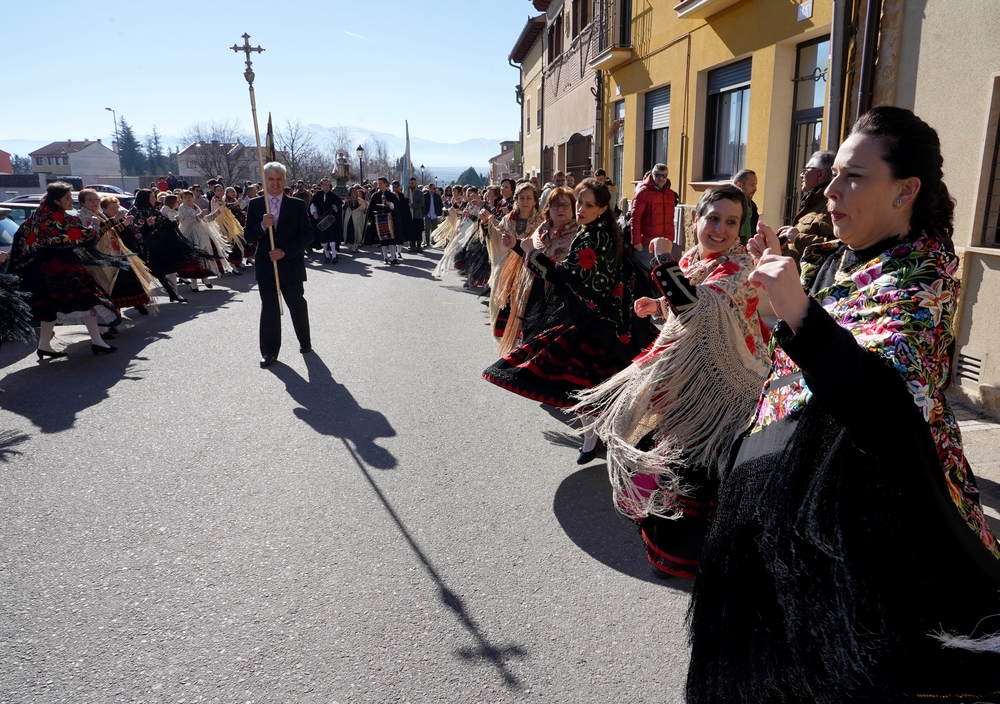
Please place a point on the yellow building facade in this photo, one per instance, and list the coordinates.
(527, 53)
(709, 87)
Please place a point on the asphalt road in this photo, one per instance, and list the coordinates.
(370, 523)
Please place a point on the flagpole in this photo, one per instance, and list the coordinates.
(248, 74)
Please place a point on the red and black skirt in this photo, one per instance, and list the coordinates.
(553, 364)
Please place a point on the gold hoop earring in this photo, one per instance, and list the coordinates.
(898, 203)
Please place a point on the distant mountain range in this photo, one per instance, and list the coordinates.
(445, 160)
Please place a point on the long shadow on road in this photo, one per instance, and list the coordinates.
(584, 508)
(52, 394)
(330, 409)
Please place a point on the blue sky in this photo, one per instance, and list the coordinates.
(440, 65)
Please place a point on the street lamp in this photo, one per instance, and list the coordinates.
(421, 174)
(361, 165)
(118, 150)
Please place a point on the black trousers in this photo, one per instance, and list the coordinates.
(293, 292)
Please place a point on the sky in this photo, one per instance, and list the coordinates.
(440, 65)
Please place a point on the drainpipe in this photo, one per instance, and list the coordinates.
(598, 93)
(866, 79)
(520, 101)
(838, 37)
(541, 131)
(684, 124)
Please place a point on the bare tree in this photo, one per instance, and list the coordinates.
(220, 149)
(341, 139)
(379, 162)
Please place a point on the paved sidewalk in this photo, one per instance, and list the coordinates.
(981, 439)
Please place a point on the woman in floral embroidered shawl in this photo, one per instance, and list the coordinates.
(582, 334)
(849, 559)
(60, 287)
(671, 414)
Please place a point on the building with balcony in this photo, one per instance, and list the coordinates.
(710, 87)
(570, 94)
(527, 54)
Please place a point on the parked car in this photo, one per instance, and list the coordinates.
(7, 229)
(126, 199)
(15, 213)
(106, 188)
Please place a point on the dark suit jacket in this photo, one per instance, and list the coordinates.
(293, 235)
(438, 204)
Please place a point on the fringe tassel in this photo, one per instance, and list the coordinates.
(453, 249)
(983, 644)
(443, 233)
(700, 387)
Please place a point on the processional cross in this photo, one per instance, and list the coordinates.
(248, 74)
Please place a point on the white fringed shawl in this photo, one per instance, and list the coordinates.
(695, 387)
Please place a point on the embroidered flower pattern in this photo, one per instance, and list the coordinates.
(899, 306)
(47, 228)
(587, 258)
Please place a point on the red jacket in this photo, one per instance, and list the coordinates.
(652, 212)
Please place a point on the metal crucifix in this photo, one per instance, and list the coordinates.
(248, 74)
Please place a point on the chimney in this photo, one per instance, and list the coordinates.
(98, 140)
(114, 146)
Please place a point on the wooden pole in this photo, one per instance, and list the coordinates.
(248, 74)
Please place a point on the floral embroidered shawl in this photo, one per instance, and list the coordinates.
(900, 306)
(48, 228)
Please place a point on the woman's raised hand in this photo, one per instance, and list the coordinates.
(659, 246)
(779, 277)
(645, 306)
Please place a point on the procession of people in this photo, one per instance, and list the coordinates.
(807, 474)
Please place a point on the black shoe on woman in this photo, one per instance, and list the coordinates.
(98, 349)
(42, 354)
(587, 456)
(142, 310)
(177, 298)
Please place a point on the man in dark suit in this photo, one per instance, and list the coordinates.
(293, 234)
(433, 205)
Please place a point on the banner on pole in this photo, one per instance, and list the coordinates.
(404, 180)
(269, 154)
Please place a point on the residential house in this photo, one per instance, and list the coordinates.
(528, 54)
(710, 87)
(6, 167)
(570, 89)
(86, 159)
(233, 161)
(505, 164)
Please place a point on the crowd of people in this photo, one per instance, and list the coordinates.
(83, 259)
(809, 477)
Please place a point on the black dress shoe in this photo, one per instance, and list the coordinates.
(587, 456)
(98, 349)
(42, 354)
(267, 360)
(305, 349)
(142, 310)
(178, 298)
